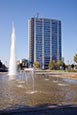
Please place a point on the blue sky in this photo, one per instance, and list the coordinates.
(20, 11)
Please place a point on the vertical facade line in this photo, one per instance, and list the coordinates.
(34, 39)
(51, 40)
(43, 43)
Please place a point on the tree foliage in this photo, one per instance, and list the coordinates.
(36, 65)
(60, 64)
(57, 65)
(0, 63)
(23, 64)
(52, 65)
(72, 65)
(75, 58)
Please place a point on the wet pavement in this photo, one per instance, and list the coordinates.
(36, 90)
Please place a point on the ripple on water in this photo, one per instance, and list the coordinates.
(31, 92)
(62, 84)
(54, 81)
(46, 79)
(21, 82)
(21, 86)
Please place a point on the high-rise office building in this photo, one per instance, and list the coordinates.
(44, 40)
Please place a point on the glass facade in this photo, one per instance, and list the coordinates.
(46, 37)
(46, 43)
(39, 41)
(54, 40)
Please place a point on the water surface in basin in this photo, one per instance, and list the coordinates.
(40, 89)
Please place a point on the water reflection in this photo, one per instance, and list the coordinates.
(35, 89)
(71, 81)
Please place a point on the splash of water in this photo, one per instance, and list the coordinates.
(12, 62)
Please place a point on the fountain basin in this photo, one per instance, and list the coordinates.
(22, 91)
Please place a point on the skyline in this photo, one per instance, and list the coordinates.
(21, 11)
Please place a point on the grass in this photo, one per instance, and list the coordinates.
(57, 70)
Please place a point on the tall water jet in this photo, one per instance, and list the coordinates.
(12, 62)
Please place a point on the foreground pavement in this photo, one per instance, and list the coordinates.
(48, 110)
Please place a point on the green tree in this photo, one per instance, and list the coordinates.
(25, 63)
(72, 66)
(19, 66)
(57, 65)
(52, 65)
(36, 65)
(75, 58)
(60, 64)
(0, 63)
(64, 66)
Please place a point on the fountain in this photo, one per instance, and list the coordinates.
(12, 63)
(33, 88)
(32, 91)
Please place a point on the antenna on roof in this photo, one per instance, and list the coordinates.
(37, 15)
